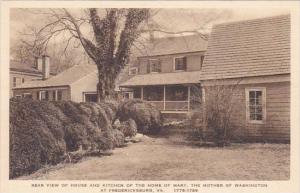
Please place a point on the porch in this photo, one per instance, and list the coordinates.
(170, 98)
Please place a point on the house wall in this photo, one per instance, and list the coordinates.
(26, 76)
(86, 84)
(276, 126)
(167, 62)
(66, 95)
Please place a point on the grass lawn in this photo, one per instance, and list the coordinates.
(164, 159)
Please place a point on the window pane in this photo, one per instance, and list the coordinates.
(258, 97)
(252, 110)
(252, 117)
(258, 117)
(154, 65)
(259, 109)
(252, 101)
(27, 95)
(90, 97)
(54, 95)
(137, 93)
(180, 63)
(252, 94)
(59, 95)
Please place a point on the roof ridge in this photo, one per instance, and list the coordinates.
(180, 36)
(252, 20)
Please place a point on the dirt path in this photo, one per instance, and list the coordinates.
(162, 159)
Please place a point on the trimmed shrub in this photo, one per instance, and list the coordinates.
(43, 132)
(146, 116)
(110, 139)
(32, 142)
(128, 128)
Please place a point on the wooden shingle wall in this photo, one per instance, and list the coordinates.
(276, 127)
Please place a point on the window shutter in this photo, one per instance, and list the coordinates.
(159, 65)
(148, 66)
(38, 95)
(184, 63)
(47, 95)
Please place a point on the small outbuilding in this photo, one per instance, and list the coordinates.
(254, 55)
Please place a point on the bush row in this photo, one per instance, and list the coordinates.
(42, 132)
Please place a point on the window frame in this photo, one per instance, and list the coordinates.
(264, 101)
(18, 96)
(27, 94)
(46, 97)
(150, 66)
(14, 81)
(88, 93)
(174, 64)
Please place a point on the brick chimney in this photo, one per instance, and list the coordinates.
(39, 63)
(46, 66)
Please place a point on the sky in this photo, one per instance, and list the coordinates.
(167, 19)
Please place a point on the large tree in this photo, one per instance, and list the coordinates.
(113, 32)
(111, 48)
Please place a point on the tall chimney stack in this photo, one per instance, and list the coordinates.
(39, 63)
(46, 66)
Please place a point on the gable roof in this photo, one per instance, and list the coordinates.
(248, 48)
(15, 65)
(175, 45)
(65, 78)
(163, 79)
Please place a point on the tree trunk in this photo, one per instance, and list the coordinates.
(106, 80)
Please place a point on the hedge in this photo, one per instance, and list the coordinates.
(45, 132)
(42, 132)
(147, 118)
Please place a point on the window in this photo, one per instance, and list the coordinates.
(54, 95)
(59, 95)
(18, 96)
(127, 95)
(14, 81)
(43, 95)
(256, 108)
(180, 64)
(23, 80)
(90, 97)
(27, 95)
(153, 66)
(133, 71)
(137, 93)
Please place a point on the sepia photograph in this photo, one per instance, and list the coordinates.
(149, 94)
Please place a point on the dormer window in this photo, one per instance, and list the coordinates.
(153, 66)
(180, 64)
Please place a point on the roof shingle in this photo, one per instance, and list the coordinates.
(174, 45)
(163, 79)
(248, 48)
(65, 78)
